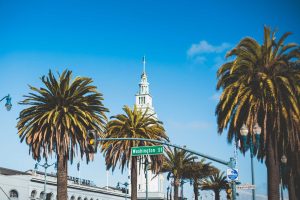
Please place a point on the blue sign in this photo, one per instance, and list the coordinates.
(232, 174)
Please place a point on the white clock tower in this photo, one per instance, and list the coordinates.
(143, 101)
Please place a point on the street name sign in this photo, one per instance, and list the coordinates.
(246, 186)
(232, 174)
(147, 150)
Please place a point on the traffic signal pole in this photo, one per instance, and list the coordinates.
(168, 144)
(230, 163)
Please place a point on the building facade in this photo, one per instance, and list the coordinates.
(29, 185)
(143, 101)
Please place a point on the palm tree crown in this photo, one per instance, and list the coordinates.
(196, 171)
(175, 164)
(261, 85)
(216, 183)
(133, 124)
(60, 114)
(57, 120)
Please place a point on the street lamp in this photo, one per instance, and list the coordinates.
(8, 104)
(244, 132)
(182, 182)
(45, 166)
(168, 188)
(283, 163)
(126, 186)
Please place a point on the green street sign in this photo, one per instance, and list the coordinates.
(147, 150)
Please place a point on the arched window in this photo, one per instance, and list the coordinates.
(49, 196)
(72, 198)
(91, 199)
(14, 194)
(42, 195)
(33, 194)
(79, 198)
(85, 198)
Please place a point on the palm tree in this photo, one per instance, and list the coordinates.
(58, 118)
(260, 86)
(196, 171)
(133, 124)
(216, 183)
(175, 164)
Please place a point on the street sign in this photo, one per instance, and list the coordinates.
(232, 174)
(246, 186)
(147, 150)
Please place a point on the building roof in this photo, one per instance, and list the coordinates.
(6, 171)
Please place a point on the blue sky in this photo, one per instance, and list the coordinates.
(184, 42)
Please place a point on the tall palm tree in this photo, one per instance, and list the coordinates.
(196, 171)
(57, 119)
(260, 86)
(175, 163)
(216, 183)
(133, 124)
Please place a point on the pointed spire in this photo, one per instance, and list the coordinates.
(144, 64)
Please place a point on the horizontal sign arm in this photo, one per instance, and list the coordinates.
(168, 144)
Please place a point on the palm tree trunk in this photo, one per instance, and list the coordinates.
(217, 195)
(291, 187)
(272, 168)
(196, 189)
(62, 178)
(176, 185)
(134, 178)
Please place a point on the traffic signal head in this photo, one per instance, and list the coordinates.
(92, 142)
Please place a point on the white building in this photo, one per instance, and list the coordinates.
(29, 185)
(143, 101)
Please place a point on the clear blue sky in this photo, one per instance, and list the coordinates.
(184, 42)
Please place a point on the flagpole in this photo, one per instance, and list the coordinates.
(107, 179)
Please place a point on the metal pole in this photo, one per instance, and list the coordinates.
(233, 190)
(252, 169)
(281, 188)
(146, 174)
(126, 192)
(168, 144)
(182, 189)
(168, 193)
(45, 181)
(5, 193)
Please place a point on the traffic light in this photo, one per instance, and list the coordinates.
(229, 193)
(92, 142)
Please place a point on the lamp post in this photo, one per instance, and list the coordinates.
(168, 188)
(8, 104)
(283, 163)
(126, 186)
(45, 166)
(244, 132)
(182, 182)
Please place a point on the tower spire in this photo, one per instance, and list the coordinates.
(144, 64)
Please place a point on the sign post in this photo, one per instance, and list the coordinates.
(143, 151)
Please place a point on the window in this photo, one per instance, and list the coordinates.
(33, 194)
(85, 198)
(14, 194)
(72, 198)
(42, 195)
(79, 198)
(49, 196)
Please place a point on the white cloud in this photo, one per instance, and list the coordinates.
(199, 59)
(204, 47)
